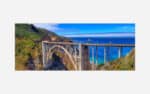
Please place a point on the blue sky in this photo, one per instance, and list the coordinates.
(83, 30)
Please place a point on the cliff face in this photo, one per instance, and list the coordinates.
(28, 53)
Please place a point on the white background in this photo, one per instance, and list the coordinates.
(74, 82)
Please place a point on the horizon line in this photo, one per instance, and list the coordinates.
(103, 35)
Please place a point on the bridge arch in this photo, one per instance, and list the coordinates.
(50, 53)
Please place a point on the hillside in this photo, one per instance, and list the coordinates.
(123, 63)
(28, 55)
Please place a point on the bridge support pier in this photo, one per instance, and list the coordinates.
(96, 57)
(119, 52)
(93, 59)
(80, 56)
(105, 60)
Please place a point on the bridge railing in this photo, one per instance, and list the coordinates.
(92, 44)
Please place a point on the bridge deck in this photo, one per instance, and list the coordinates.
(92, 44)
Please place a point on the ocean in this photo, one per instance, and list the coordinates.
(112, 52)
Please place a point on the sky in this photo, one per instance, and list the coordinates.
(91, 30)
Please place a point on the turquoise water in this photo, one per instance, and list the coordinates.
(112, 52)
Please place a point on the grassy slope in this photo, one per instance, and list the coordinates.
(124, 63)
(28, 42)
(25, 44)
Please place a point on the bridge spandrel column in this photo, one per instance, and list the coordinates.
(43, 53)
(75, 54)
(80, 56)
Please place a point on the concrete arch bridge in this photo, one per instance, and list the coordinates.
(74, 56)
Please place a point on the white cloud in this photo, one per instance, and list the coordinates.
(51, 27)
(127, 28)
(104, 35)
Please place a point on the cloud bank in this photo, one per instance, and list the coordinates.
(103, 35)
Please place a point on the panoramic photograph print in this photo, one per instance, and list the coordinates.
(74, 46)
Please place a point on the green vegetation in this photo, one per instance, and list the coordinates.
(28, 45)
(123, 63)
(25, 45)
